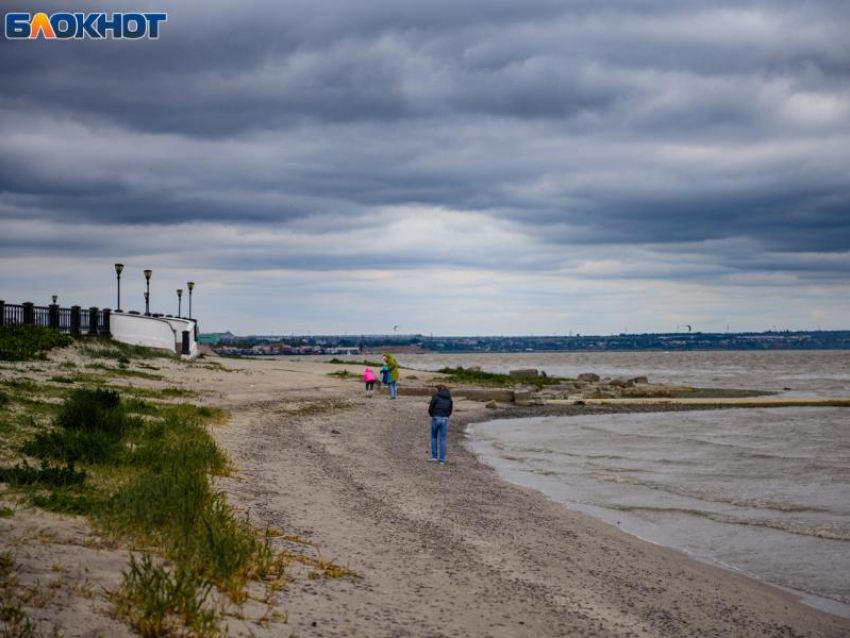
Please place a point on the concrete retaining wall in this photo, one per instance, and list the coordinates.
(179, 325)
(153, 332)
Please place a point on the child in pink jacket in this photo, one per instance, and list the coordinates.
(369, 379)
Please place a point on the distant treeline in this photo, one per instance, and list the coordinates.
(772, 340)
(817, 340)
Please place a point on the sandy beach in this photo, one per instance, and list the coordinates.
(439, 550)
(455, 551)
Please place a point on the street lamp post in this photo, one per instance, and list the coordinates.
(118, 269)
(179, 302)
(191, 286)
(55, 299)
(148, 274)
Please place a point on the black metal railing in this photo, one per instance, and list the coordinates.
(65, 320)
(73, 320)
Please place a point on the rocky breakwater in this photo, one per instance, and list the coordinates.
(591, 386)
(529, 386)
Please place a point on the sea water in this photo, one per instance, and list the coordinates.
(793, 373)
(762, 491)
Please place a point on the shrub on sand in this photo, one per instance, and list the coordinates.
(19, 343)
(89, 427)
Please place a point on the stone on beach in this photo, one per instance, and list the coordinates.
(589, 377)
(524, 373)
(486, 394)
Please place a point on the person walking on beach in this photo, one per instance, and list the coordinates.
(369, 379)
(440, 410)
(385, 376)
(392, 366)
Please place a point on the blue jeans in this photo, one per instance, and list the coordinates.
(439, 431)
(393, 389)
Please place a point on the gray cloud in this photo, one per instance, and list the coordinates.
(659, 131)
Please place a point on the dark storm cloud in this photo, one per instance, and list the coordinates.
(625, 123)
(219, 70)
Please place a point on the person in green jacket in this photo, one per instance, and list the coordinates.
(392, 364)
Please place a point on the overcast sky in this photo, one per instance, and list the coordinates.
(496, 167)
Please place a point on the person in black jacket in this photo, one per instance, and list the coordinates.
(440, 411)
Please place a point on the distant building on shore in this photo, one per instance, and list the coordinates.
(416, 344)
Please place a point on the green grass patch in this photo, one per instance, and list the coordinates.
(68, 501)
(106, 348)
(373, 364)
(6, 512)
(159, 603)
(478, 377)
(75, 378)
(123, 372)
(89, 427)
(4, 399)
(165, 393)
(20, 343)
(168, 503)
(22, 385)
(46, 475)
(24, 390)
(139, 406)
(20, 422)
(6, 565)
(141, 470)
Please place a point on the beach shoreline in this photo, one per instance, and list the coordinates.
(460, 551)
(563, 409)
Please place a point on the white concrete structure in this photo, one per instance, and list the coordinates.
(155, 332)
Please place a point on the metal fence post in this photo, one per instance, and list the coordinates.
(186, 342)
(76, 320)
(93, 320)
(54, 316)
(107, 319)
(29, 313)
(2, 313)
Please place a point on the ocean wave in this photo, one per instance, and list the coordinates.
(606, 468)
(678, 439)
(539, 450)
(574, 455)
(704, 495)
(801, 528)
(542, 472)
